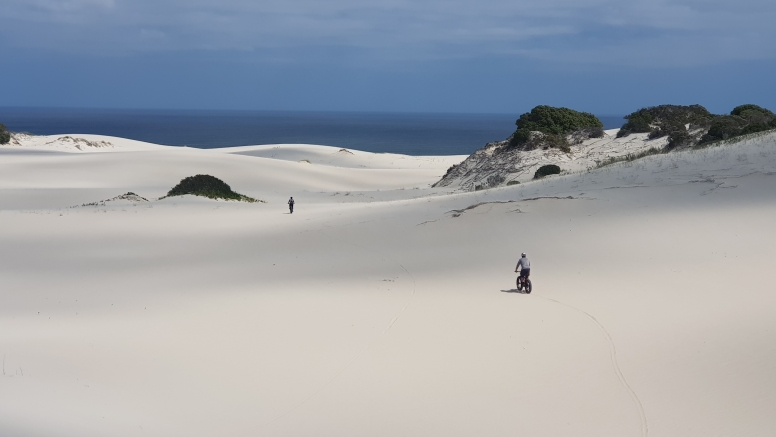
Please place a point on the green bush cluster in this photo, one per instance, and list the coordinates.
(546, 170)
(665, 120)
(743, 120)
(5, 136)
(207, 186)
(555, 124)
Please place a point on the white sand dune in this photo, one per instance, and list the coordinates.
(383, 307)
(339, 157)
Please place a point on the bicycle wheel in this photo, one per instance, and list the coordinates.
(528, 286)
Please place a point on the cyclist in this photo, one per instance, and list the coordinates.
(523, 266)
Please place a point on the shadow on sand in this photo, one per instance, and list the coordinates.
(515, 290)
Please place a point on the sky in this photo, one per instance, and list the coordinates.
(485, 56)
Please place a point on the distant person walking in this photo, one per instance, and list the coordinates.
(291, 205)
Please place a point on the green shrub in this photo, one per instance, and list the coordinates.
(5, 136)
(520, 136)
(679, 138)
(743, 120)
(546, 170)
(638, 122)
(513, 183)
(656, 133)
(595, 132)
(662, 120)
(556, 141)
(723, 128)
(207, 186)
(749, 109)
(554, 123)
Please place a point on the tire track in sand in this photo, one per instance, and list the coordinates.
(361, 353)
(615, 365)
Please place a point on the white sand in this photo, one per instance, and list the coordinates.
(373, 310)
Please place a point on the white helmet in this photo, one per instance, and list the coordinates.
(523, 255)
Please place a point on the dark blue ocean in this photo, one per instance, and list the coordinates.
(406, 133)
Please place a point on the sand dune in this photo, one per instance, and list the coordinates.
(339, 157)
(383, 307)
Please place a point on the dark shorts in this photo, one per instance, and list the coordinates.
(525, 273)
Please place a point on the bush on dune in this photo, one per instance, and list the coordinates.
(207, 186)
(638, 122)
(665, 120)
(744, 119)
(672, 121)
(554, 124)
(5, 136)
(546, 170)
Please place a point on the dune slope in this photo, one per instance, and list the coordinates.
(389, 311)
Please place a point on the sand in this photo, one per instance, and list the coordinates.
(383, 307)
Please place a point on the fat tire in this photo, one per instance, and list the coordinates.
(528, 286)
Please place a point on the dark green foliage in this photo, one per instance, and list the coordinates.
(556, 141)
(595, 132)
(742, 110)
(655, 133)
(679, 138)
(744, 119)
(546, 170)
(520, 136)
(723, 128)
(556, 121)
(662, 120)
(513, 183)
(207, 186)
(5, 136)
(638, 122)
(555, 124)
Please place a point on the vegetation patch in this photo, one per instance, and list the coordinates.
(743, 120)
(5, 136)
(207, 186)
(688, 126)
(513, 183)
(630, 157)
(548, 126)
(546, 170)
(665, 120)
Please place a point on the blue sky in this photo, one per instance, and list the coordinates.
(602, 56)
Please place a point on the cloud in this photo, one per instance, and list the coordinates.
(604, 32)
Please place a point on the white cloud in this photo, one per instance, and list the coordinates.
(675, 32)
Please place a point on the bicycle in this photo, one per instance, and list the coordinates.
(524, 284)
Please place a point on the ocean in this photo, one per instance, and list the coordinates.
(405, 133)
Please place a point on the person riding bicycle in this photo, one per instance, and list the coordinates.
(523, 266)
